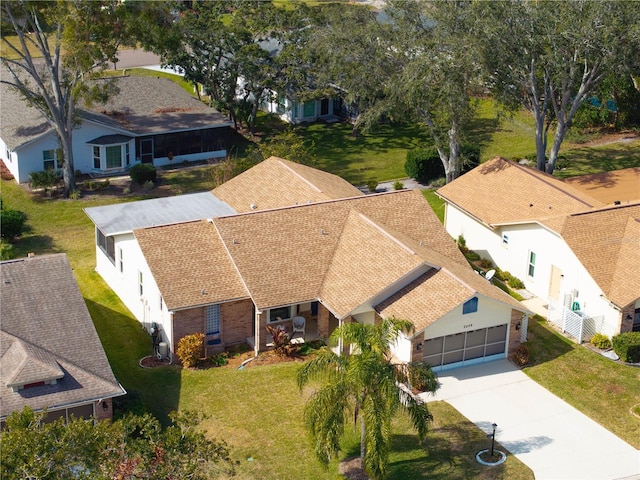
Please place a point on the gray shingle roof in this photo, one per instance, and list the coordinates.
(45, 323)
(144, 105)
(126, 217)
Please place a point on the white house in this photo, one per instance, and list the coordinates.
(284, 241)
(150, 120)
(567, 247)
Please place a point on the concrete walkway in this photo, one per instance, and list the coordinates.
(548, 435)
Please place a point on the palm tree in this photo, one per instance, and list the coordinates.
(366, 384)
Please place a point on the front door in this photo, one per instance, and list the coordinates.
(146, 150)
(324, 106)
(554, 282)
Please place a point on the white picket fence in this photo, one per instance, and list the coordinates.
(577, 324)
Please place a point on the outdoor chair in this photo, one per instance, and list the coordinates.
(298, 325)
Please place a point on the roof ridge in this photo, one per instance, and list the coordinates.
(312, 185)
(629, 204)
(546, 178)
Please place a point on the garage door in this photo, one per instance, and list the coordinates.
(466, 348)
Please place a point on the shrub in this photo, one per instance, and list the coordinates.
(218, 360)
(148, 185)
(372, 185)
(462, 244)
(421, 377)
(281, 342)
(515, 282)
(521, 355)
(398, 185)
(424, 165)
(485, 263)
(472, 256)
(627, 346)
(189, 349)
(502, 275)
(142, 173)
(6, 251)
(439, 182)
(12, 223)
(45, 180)
(75, 195)
(90, 185)
(601, 341)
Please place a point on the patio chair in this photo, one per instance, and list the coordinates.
(298, 325)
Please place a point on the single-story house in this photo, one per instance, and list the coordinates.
(285, 240)
(50, 352)
(569, 247)
(150, 120)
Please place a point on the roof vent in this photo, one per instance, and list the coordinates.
(253, 206)
(322, 232)
(235, 242)
(617, 202)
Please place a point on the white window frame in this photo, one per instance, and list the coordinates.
(505, 240)
(120, 260)
(53, 159)
(101, 157)
(531, 264)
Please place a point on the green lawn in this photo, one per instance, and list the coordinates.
(269, 440)
(600, 388)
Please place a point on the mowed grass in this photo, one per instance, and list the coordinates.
(268, 438)
(600, 388)
(258, 410)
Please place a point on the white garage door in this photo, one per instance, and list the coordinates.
(466, 348)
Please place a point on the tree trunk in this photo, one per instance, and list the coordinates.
(561, 131)
(68, 171)
(363, 448)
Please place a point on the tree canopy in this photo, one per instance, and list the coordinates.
(131, 447)
(58, 47)
(366, 384)
(550, 57)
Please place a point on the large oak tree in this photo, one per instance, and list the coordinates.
(550, 57)
(53, 49)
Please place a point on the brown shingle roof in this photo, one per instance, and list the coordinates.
(276, 182)
(344, 252)
(501, 192)
(45, 322)
(607, 243)
(622, 185)
(188, 259)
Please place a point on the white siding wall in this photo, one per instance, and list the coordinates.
(550, 249)
(402, 348)
(146, 308)
(10, 159)
(490, 313)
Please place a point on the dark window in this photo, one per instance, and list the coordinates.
(470, 306)
(107, 245)
(277, 314)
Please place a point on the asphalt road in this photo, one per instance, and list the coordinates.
(135, 58)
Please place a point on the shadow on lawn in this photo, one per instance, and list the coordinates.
(544, 344)
(153, 390)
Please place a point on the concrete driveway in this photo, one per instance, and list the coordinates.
(548, 435)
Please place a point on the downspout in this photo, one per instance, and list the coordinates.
(256, 338)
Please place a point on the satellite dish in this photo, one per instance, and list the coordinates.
(489, 275)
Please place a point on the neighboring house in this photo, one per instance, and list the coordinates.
(150, 120)
(285, 105)
(568, 247)
(300, 242)
(50, 354)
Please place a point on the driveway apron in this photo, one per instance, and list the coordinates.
(548, 435)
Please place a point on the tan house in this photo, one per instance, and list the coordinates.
(575, 244)
(323, 261)
(50, 354)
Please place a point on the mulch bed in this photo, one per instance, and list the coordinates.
(152, 361)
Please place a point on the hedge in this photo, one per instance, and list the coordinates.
(627, 346)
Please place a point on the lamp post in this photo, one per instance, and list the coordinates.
(493, 438)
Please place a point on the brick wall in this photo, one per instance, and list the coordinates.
(237, 321)
(101, 413)
(187, 322)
